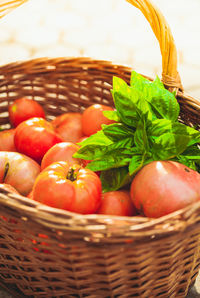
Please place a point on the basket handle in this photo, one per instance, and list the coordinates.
(7, 6)
(161, 29)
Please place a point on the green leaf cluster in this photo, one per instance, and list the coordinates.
(146, 129)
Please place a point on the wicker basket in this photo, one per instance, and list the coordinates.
(46, 252)
(7, 6)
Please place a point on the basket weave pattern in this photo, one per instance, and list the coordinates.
(48, 252)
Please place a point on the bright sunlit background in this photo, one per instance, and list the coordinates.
(104, 29)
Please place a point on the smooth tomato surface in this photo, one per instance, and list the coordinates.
(69, 126)
(18, 170)
(162, 187)
(93, 118)
(60, 152)
(34, 137)
(7, 140)
(23, 109)
(71, 188)
(117, 203)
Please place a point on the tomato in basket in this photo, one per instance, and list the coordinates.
(93, 118)
(7, 140)
(67, 187)
(18, 170)
(60, 151)
(117, 203)
(23, 109)
(69, 126)
(34, 137)
(162, 187)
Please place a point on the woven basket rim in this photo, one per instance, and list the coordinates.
(123, 226)
(50, 63)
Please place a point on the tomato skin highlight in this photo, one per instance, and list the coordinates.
(67, 187)
(117, 203)
(162, 187)
(34, 137)
(23, 109)
(93, 118)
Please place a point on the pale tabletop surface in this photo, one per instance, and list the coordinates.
(110, 30)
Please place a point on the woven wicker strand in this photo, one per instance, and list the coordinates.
(8, 6)
(47, 252)
(164, 36)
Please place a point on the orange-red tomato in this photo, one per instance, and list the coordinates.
(117, 203)
(34, 137)
(7, 140)
(162, 187)
(60, 152)
(93, 118)
(69, 126)
(23, 109)
(71, 188)
(18, 170)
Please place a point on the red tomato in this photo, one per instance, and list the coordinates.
(8, 187)
(162, 187)
(71, 188)
(18, 170)
(93, 118)
(117, 203)
(60, 152)
(23, 109)
(7, 140)
(34, 137)
(69, 126)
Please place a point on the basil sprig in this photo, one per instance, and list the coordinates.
(146, 129)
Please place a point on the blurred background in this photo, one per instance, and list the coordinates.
(105, 29)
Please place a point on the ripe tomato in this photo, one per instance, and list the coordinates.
(18, 170)
(117, 203)
(34, 137)
(61, 151)
(71, 188)
(93, 118)
(69, 126)
(7, 140)
(23, 109)
(162, 187)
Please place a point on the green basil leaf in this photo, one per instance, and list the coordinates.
(169, 145)
(129, 102)
(117, 132)
(163, 103)
(140, 137)
(115, 179)
(162, 126)
(113, 158)
(111, 115)
(93, 147)
(136, 163)
(105, 163)
(138, 81)
(90, 152)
